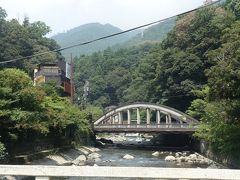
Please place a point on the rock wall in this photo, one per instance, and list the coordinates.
(203, 148)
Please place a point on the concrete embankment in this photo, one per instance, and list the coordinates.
(79, 156)
(203, 148)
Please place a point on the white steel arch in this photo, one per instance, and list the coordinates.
(170, 112)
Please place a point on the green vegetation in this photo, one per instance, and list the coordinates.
(28, 114)
(166, 72)
(195, 68)
(155, 33)
(36, 116)
(2, 152)
(19, 40)
(89, 32)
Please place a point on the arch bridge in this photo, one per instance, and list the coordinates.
(146, 118)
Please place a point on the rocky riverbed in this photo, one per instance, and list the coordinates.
(76, 157)
(112, 156)
(109, 154)
(91, 156)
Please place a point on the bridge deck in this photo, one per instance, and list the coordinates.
(158, 128)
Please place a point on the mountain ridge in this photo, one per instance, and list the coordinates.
(91, 31)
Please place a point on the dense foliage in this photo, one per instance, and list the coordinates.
(28, 114)
(2, 152)
(20, 40)
(221, 118)
(36, 116)
(88, 32)
(161, 73)
(196, 68)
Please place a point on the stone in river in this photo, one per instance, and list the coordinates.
(80, 160)
(128, 157)
(170, 158)
(93, 156)
(155, 154)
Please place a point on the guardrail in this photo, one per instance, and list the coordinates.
(172, 125)
(45, 172)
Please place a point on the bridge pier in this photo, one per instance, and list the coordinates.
(138, 116)
(181, 122)
(169, 120)
(129, 116)
(158, 118)
(120, 118)
(113, 119)
(148, 116)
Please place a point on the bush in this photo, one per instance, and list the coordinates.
(2, 152)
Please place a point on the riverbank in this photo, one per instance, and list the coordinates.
(113, 156)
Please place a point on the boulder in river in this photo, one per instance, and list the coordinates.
(156, 154)
(178, 153)
(170, 158)
(182, 159)
(80, 160)
(193, 157)
(128, 157)
(93, 156)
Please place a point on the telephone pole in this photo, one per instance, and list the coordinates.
(71, 81)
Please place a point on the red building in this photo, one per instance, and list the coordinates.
(58, 72)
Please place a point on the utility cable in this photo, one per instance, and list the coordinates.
(108, 36)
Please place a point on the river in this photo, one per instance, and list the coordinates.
(142, 158)
(113, 156)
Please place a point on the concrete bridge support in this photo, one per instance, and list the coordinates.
(120, 118)
(158, 117)
(148, 116)
(111, 120)
(138, 116)
(129, 116)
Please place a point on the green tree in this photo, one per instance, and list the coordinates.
(2, 152)
(29, 114)
(21, 40)
(234, 6)
(3, 14)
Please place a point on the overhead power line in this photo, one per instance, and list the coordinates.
(108, 36)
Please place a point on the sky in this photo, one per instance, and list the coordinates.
(62, 15)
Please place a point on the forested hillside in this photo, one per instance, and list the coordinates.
(92, 31)
(89, 32)
(156, 72)
(196, 68)
(155, 33)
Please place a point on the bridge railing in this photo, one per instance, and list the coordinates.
(152, 126)
(45, 172)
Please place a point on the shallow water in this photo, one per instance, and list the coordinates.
(142, 158)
